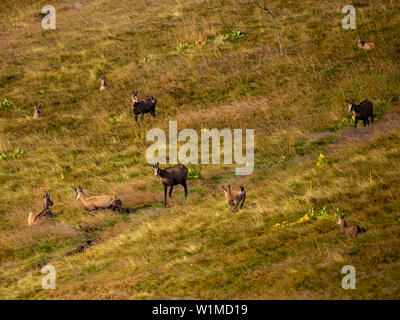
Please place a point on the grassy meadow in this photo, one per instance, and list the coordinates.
(210, 64)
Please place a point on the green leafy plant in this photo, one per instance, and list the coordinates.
(144, 60)
(17, 153)
(345, 123)
(194, 171)
(181, 47)
(6, 104)
(114, 119)
(234, 35)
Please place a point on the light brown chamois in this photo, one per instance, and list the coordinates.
(170, 177)
(348, 231)
(234, 197)
(103, 84)
(45, 213)
(365, 45)
(97, 202)
(37, 114)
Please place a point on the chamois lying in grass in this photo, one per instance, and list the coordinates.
(97, 202)
(142, 106)
(170, 177)
(37, 114)
(348, 231)
(103, 83)
(45, 213)
(365, 45)
(361, 111)
(234, 197)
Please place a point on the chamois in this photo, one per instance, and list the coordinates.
(170, 177)
(45, 213)
(103, 84)
(365, 45)
(37, 114)
(142, 106)
(234, 197)
(361, 111)
(97, 202)
(348, 231)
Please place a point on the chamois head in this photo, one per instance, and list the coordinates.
(78, 192)
(156, 169)
(340, 219)
(46, 200)
(135, 97)
(351, 104)
(37, 108)
(361, 42)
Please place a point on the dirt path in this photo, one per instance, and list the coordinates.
(349, 137)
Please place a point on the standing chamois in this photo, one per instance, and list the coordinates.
(365, 45)
(97, 202)
(45, 213)
(37, 114)
(348, 231)
(170, 177)
(142, 106)
(234, 197)
(361, 111)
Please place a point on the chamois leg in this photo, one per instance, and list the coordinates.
(355, 123)
(365, 123)
(165, 195)
(244, 197)
(136, 117)
(142, 116)
(170, 191)
(186, 189)
(372, 118)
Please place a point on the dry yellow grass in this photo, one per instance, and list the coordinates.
(197, 248)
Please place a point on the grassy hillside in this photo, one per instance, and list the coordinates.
(186, 54)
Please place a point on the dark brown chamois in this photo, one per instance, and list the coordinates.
(234, 197)
(348, 231)
(171, 177)
(361, 111)
(142, 106)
